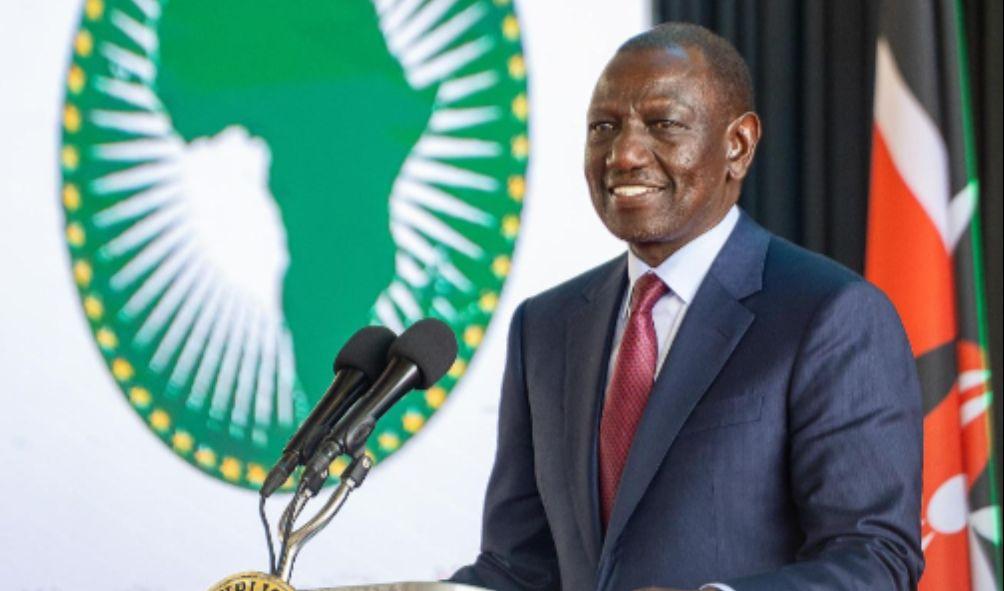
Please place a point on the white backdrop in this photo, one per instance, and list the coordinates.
(90, 500)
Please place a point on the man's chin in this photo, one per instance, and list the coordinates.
(641, 235)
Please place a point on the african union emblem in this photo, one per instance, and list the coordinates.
(247, 182)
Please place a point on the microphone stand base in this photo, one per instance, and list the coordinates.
(247, 581)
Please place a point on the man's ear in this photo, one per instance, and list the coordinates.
(743, 134)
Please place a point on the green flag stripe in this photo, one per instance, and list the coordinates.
(976, 238)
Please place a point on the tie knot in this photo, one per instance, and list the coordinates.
(647, 291)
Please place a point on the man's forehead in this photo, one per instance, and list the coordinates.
(652, 74)
(657, 96)
(669, 59)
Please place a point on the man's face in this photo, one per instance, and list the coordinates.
(656, 151)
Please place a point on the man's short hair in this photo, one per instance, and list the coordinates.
(724, 61)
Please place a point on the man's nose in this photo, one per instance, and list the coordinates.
(629, 150)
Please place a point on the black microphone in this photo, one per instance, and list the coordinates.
(417, 359)
(358, 364)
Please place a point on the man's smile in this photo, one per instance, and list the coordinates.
(630, 196)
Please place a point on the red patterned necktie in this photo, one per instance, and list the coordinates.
(634, 374)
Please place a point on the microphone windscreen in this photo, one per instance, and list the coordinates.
(366, 351)
(431, 345)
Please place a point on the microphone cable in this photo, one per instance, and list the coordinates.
(268, 534)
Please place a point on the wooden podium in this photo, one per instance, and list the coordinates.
(405, 586)
(256, 581)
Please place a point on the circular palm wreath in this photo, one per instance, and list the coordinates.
(246, 183)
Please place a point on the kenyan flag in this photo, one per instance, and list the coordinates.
(924, 252)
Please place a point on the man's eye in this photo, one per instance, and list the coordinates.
(667, 124)
(601, 127)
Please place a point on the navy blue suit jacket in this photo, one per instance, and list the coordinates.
(780, 448)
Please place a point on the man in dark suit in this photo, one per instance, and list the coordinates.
(718, 408)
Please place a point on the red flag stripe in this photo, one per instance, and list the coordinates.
(914, 143)
(906, 256)
(944, 509)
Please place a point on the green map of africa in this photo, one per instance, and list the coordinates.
(319, 86)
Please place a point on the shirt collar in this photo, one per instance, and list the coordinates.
(685, 269)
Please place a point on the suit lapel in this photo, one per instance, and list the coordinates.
(714, 324)
(587, 353)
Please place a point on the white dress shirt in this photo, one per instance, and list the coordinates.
(683, 273)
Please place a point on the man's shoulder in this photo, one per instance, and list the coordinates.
(790, 264)
(582, 285)
(757, 261)
(797, 278)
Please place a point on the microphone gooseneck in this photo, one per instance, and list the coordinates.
(417, 359)
(357, 365)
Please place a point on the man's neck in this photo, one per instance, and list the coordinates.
(656, 252)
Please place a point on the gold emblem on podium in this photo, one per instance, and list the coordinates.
(251, 581)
